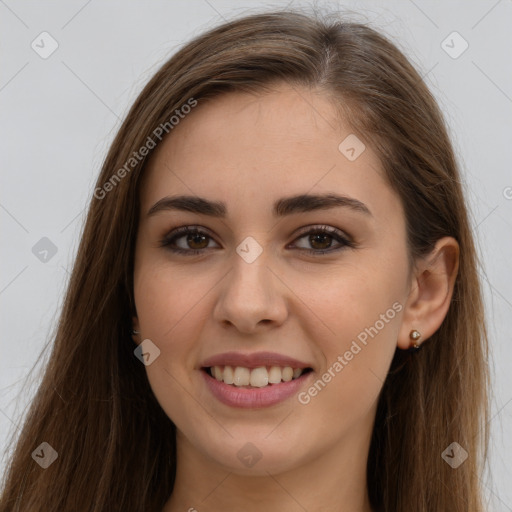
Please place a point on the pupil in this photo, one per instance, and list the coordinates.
(319, 235)
(192, 238)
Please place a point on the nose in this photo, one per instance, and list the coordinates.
(251, 296)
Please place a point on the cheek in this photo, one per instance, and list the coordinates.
(360, 307)
(345, 391)
(166, 300)
(351, 298)
(168, 308)
(169, 312)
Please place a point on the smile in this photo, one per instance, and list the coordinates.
(260, 377)
(257, 387)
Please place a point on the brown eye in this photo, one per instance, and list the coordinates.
(190, 240)
(320, 240)
(195, 241)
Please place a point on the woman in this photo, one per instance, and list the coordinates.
(275, 303)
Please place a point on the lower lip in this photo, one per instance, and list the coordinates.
(254, 398)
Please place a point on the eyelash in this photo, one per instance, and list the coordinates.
(323, 230)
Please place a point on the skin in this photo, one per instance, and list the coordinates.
(248, 150)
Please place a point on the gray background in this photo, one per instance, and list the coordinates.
(59, 115)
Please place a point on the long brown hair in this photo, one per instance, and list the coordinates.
(94, 406)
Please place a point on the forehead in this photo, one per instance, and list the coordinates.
(242, 147)
(255, 122)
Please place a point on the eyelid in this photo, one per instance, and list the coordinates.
(184, 230)
(338, 234)
(321, 227)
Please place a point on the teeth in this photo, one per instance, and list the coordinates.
(227, 375)
(256, 377)
(259, 377)
(274, 375)
(287, 374)
(242, 376)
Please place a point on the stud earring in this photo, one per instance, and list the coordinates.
(415, 336)
(135, 332)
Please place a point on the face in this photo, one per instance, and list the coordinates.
(260, 288)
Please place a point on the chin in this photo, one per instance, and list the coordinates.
(249, 453)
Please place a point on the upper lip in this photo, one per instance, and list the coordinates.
(253, 360)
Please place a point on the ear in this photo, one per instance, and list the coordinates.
(431, 291)
(135, 326)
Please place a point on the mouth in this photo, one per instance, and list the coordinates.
(255, 378)
(254, 388)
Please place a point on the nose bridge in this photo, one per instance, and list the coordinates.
(250, 292)
(251, 268)
(250, 277)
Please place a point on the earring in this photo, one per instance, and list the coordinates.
(415, 336)
(135, 332)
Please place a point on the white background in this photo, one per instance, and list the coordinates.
(59, 115)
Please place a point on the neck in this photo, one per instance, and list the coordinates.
(333, 481)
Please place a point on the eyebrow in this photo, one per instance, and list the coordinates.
(282, 207)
